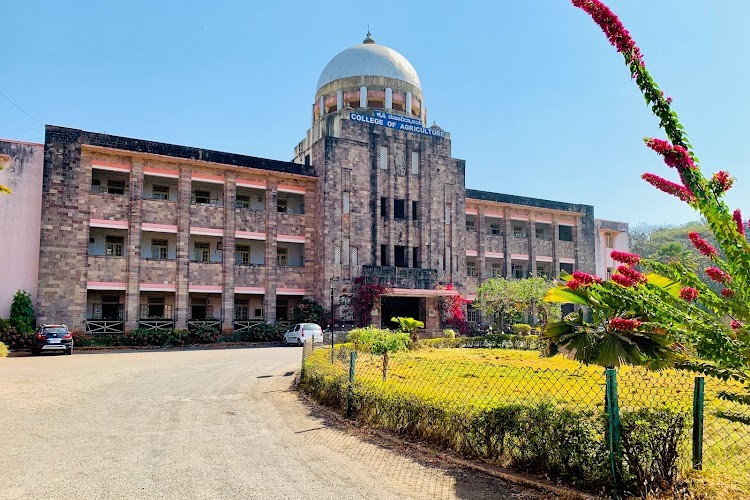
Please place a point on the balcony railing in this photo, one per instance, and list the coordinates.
(104, 327)
(400, 277)
(212, 323)
(156, 323)
(244, 325)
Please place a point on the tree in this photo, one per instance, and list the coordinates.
(669, 313)
(525, 297)
(379, 342)
(307, 311)
(22, 312)
(410, 326)
(364, 297)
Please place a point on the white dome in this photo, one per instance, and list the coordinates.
(369, 59)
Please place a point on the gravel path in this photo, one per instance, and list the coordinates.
(195, 424)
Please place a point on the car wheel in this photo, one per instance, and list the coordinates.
(299, 342)
(34, 352)
(69, 351)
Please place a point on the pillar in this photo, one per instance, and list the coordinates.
(388, 98)
(227, 259)
(339, 100)
(408, 102)
(363, 97)
(182, 296)
(269, 302)
(132, 298)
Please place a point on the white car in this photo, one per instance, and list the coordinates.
(300, 332)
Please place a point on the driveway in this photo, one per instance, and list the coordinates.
(195, 424)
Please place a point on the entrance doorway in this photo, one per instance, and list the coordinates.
(405, 307)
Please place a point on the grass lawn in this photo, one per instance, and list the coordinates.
(485, 377)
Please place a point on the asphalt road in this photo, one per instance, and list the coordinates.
(196, 424)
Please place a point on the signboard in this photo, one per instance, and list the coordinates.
(397, 122)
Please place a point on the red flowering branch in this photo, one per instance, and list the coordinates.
(718, 275)
(737, 216)
(624, 324)
(702, 245)
(721, 182)
(688, 293)
(669, 187)
(630, 259)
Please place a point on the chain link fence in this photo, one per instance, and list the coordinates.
(632, 431)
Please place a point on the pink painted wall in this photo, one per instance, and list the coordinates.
(20, 216)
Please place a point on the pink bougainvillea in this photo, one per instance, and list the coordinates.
(736, 324)
(702, 245)
(586, 278)
(688, 293)
(727, 292)
(737, 216)
(623, 280)
(722, 181)
(624, 324)
(632, 274)
(669, 187)
(718, 275)
(674, 155)
(611, 25)
(630, 259)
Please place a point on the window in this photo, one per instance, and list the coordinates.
(337, 257)
(242, 201)
(282, 256)
(414, 210)
(472, 315)
(159, 249)
(114, 246)
(201, 251)
(609, 272)
(383, 158)
(383, 255)
(414, 163)
(281, 205)
(448, 260)
(242, 254)
(610, 240)
(354, 258)
(399, 256)
(497, 270)
(542, 271)
(346, 179)
(96, 186)
(345, 251)
(495, 229)
(471, 268)
(541, 233)
(447, 213)
(399, 211)
(257, 313)
(282, 309)
(565, 233)
(415, 258)
(156, 308)
(470, 226)
(200, 196)
(384, 207)
(519, 271)
(345, 202)
(241, 309)
(160, 192)
(115, 187)
(568, 268)
(519, 231)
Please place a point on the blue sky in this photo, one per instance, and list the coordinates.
(537, 102)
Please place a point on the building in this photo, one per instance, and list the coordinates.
(610, 235)
(135, 232)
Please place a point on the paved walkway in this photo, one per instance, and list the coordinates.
(194, 424)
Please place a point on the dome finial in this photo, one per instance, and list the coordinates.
(369, 36)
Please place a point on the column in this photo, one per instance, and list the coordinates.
(481, 230)
(532, 246)
(555, 271)
(271, 258)
(388, 98)
(339, 100)
(227, 259)
(321, 106)
(363, 97)
(132, 299)
(182, 296)
(408, 102)
(507, 250)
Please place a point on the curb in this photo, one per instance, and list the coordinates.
(152, 348)
(488, 469)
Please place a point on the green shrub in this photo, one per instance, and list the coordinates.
(3, 350)
(22, 312)
(201, 335)
(260, 332)
(307, 311)
(521, 329)
(13, 338)
(80, 339)
(651, 441)
(449, 334)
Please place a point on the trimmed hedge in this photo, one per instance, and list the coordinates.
(491, 341)
(141, 337)
(562, 443)
(261, 332)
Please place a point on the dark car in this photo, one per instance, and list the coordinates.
(52, 338)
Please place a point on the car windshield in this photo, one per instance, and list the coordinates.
(55, 329)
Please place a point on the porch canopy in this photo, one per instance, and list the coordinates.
(415, 292)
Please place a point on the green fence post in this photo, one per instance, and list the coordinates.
(698, 401)
(613, 429)
(350, 393)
